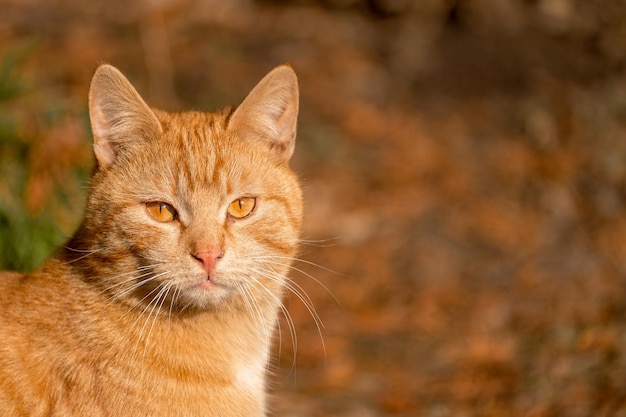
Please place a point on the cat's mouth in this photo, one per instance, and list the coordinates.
(211, 284)
(207, 283)
(200, 290)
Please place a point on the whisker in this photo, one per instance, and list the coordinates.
(289, 320)
(294, 259)
(161, 295)
(86, 253)
(81, 250)
(132, 278)
(247, 302)
(299, 292)
(137, 285)
(134, 286)
(320, 243)
(152, 305)
(172, 302)
(255, 310)
(294, 268)
(138, 269)
(296, 289)
(292, 333)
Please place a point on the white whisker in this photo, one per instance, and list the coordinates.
(175, 294)
(86, 253)
(163, 289)
(162, 295)
(145, 297)
(296, 288)
(140, 282)
(290, 323)
(321, 243)
(255, 310)
(299, 292)
(126, 281)
(294, 268)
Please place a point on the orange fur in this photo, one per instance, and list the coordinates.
(130, 318)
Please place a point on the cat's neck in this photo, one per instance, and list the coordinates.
(219, 358)
(231, 343)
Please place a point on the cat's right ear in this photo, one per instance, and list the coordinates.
(118, 114)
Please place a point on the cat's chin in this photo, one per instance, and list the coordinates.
(207, 293)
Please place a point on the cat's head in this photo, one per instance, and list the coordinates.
(191, 209)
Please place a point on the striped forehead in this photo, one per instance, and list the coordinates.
(199, 158)
(205, 160)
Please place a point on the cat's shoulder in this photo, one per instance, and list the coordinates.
(10, 278)
(9, 281)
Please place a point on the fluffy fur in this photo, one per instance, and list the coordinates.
(141, 317)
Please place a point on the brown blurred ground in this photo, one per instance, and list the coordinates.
(464, 165)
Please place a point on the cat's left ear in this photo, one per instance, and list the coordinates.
(270, 112)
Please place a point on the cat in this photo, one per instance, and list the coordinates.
(165, 300)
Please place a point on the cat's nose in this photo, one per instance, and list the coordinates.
(208, 259)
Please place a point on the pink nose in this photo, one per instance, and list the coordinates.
(208, 259)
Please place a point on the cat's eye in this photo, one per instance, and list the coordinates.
(241, 207)
(160, 211)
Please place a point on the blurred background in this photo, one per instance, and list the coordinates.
(464, 165)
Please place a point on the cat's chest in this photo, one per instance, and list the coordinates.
(237, 358)
(250, 374)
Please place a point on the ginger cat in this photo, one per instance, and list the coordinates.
(165, 300)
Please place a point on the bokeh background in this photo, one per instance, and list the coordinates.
(464, 164)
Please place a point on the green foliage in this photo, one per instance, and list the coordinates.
(30, 234)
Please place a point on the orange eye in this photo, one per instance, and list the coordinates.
(241, 207)
(162, 212)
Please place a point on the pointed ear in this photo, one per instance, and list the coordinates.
(118, 114)
(269, 113)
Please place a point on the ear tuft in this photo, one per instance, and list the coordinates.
(270, 112)
(118, 114)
